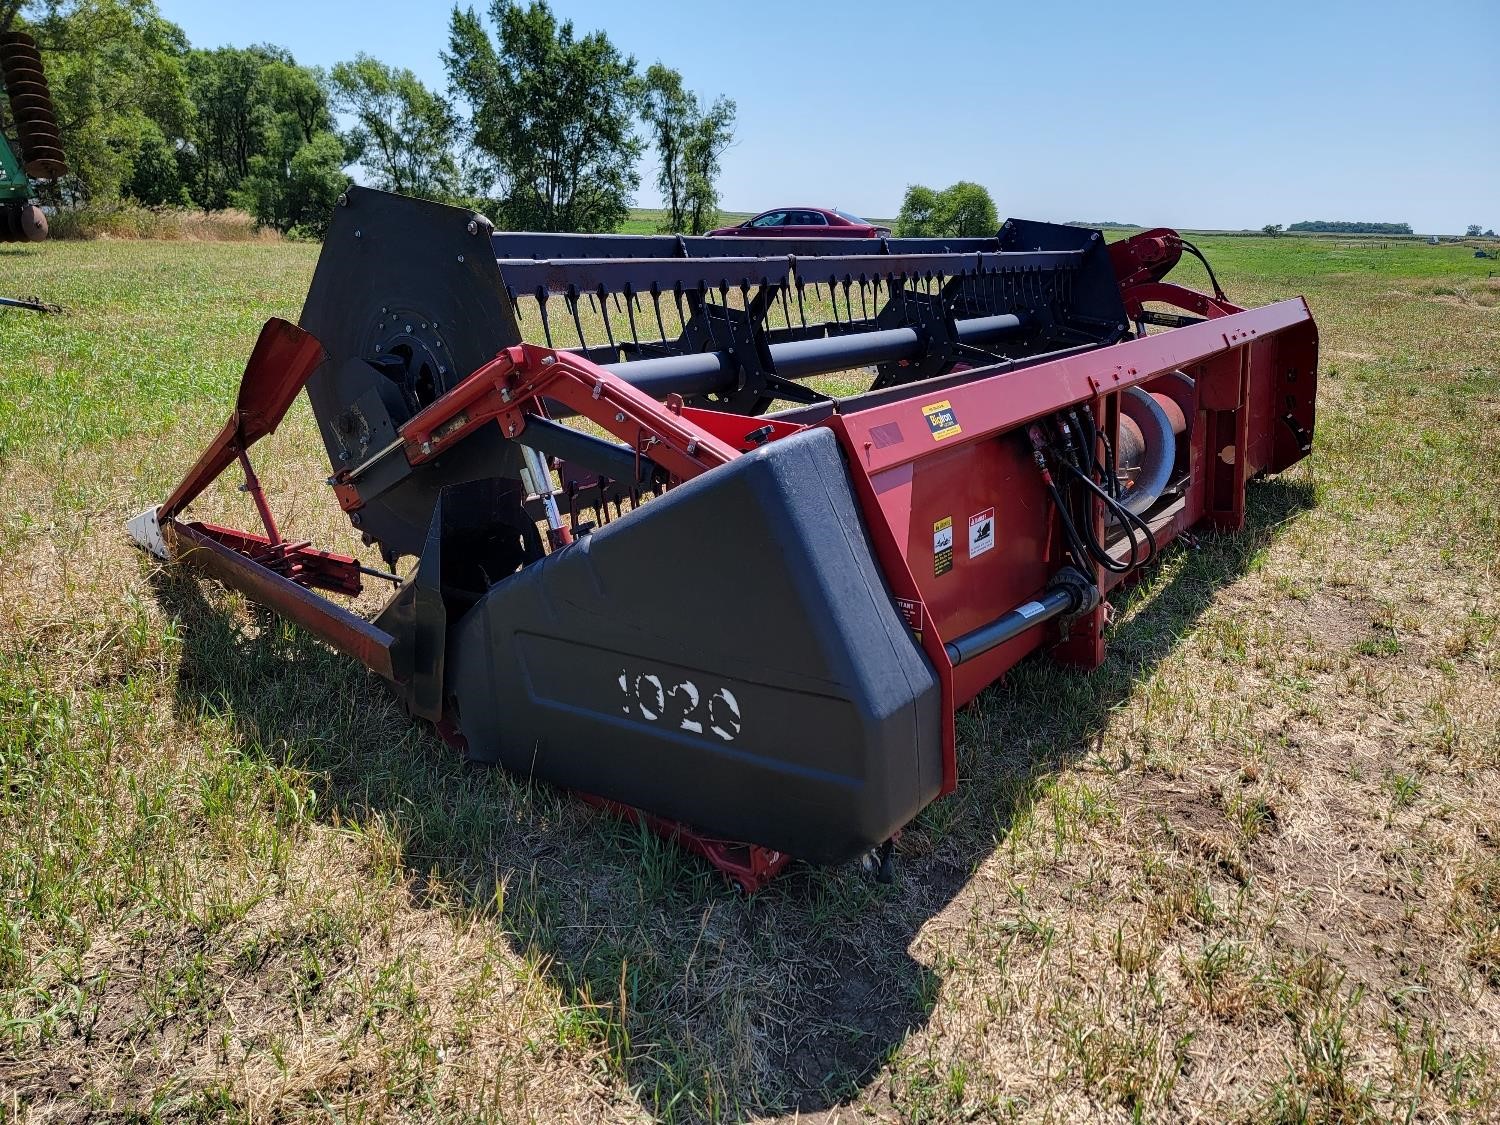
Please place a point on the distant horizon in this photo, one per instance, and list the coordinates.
(1241, 118)
(735, 212)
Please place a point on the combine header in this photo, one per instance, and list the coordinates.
(749, 627)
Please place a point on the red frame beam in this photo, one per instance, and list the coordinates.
(345, 631)
(517, 379)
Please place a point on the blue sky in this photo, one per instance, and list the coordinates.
(1191, 115)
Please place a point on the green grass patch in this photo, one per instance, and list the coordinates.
(1247, 869)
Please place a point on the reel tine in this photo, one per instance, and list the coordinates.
(656, 304)
(635, 336)
(605, 315)
(572, 299)
(541, 302)
(705, 295)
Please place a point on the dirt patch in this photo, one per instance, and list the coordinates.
(1335, 622)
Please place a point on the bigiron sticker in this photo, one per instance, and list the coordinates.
(942, 546)
(981, 532)
(941, 420)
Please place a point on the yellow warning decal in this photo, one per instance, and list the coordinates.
(942, 546)
(941, 420)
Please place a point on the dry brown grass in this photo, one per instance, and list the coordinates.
(169, 224)
(1249, 869)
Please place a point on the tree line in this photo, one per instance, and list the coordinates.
(1329, 226)
(540, 127)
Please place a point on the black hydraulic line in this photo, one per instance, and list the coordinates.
(1195, 252)
(1110, 493)
(1125, 517)
(1039, 456)
(1077, 546)
(384, 575)
(1070, 455)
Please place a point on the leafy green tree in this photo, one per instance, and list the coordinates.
(669, 111)
(1474, 230)
(295, 190)
(115, 69)
(404, 134)
(551, 112)
(156, 173)
(961, 210)
(918, 216)
(1273, 229)
(689, 143)
(295, 99)
(965, 210)
(707, 141)
(297, 171)
(229, 121)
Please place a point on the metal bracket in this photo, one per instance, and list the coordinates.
(928, 314)
(146, 533)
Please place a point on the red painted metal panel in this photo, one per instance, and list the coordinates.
(302, 563)
(1012, 398)
(926, 466)
(283, 360)
(976, 579)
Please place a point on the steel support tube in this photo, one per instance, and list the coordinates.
(1010, 625)
(694, 374)
(704, 372)
(799, 359)
(987, 329)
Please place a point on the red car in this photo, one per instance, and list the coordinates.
(805, 222)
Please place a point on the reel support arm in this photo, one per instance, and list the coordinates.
(503, 389)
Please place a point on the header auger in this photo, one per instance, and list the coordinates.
(749, 627)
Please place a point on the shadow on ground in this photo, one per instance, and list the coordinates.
(792, 1000)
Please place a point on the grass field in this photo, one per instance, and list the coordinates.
(1249, 869)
